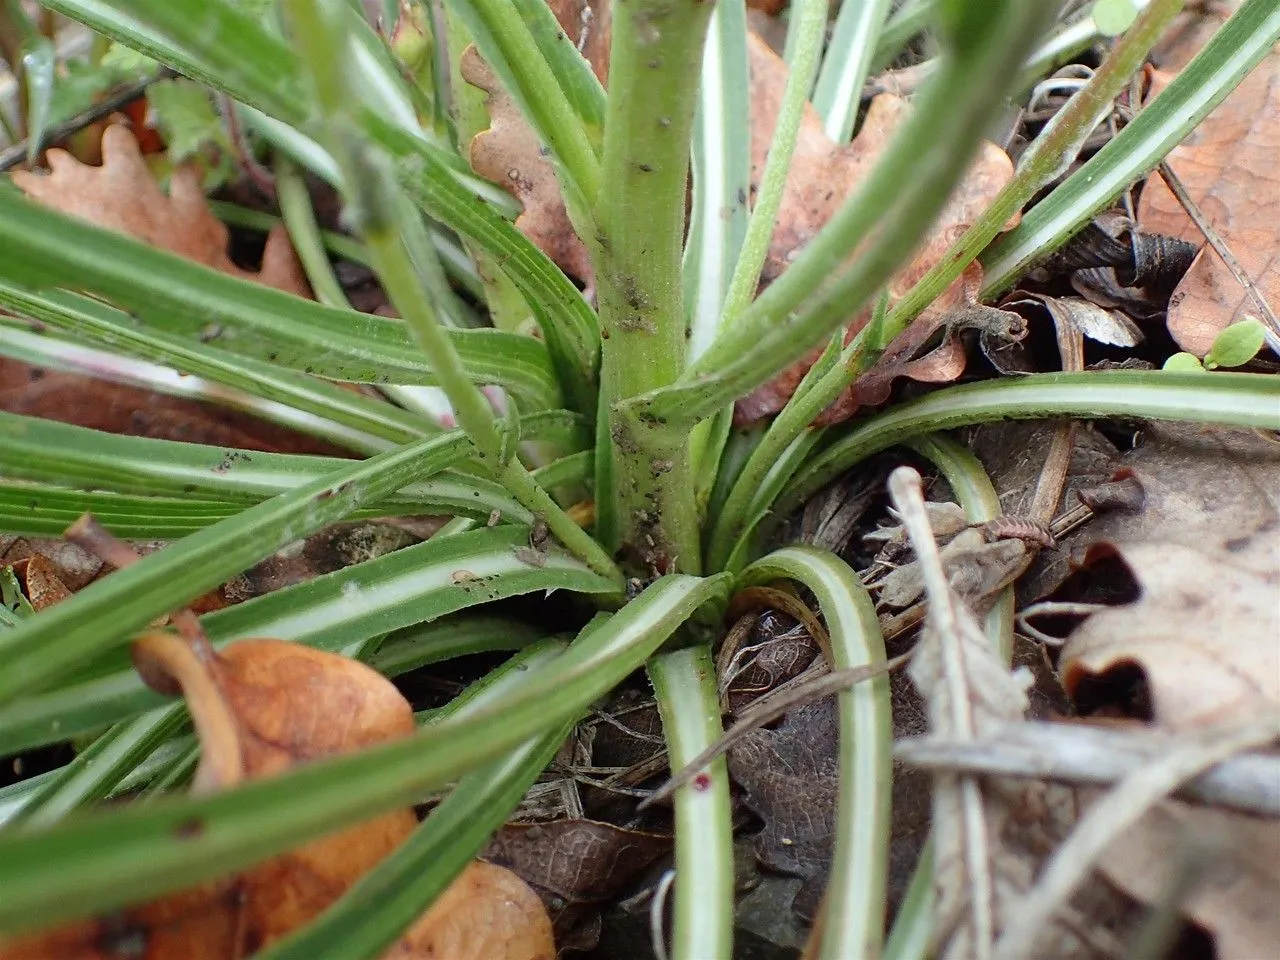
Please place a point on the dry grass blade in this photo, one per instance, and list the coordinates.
(1114, 814)
(768, 709)
(968, 690)
(1083, 754)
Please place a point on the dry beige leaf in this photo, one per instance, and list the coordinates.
(509, 153)
(260, 707)
(1238, 862)
(823, 175)
(1228, 166)
(122, 195)
(1204, 631)
(488, 913)
(1205, 554)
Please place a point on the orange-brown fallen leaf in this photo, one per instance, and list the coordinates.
(823, 175)
(259, 708)
(122, 195)
(1229, 168)
(509, 153)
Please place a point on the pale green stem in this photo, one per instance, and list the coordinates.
(378, 209)
(809, 24)
(685, 684)
(653, 84)
(300, 219)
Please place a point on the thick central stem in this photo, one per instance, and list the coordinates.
(646, 498)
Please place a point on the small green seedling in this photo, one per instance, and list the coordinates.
(1234, 347)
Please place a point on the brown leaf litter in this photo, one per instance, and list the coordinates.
(261, 707)
(822, 176)
(123, 196)
(509, 153)
(1228, 166)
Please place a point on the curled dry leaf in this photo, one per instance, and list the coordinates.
(122, 195)
(1228, 166)
(823, 175)
(1202, 634)
(1204, 555)
(509, 153)
(260, 707)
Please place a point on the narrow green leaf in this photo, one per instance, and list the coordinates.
(684, 682)
(99, 323)
(47, 878)
(42, 247)
(1230, 399)
(104, 614)
(838, 92)
(1237, 47)
(98, 768)
(856, 891)
(413, 586)
(61, 454)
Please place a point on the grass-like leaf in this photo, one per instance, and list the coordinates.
(47, 878)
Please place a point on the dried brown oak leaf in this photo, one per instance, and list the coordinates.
(509, 153)
(260, 707)
(1204, 553)
(823, 175)
(122, 195)
(1228, 167)
(1202, 633)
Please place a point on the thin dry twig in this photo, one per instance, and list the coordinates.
(770, 708)
(947, 620)
(1080, 754)
(1214, 239)
(1111, 816)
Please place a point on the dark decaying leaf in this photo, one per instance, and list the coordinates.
(578, 867)
(790, 775)
(119, 408)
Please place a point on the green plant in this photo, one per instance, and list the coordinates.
(1235, 346)
(634, 399)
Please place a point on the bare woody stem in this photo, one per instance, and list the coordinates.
(648, 504)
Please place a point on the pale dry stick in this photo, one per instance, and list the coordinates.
(946, 620)
(1050, 608)
(1086, 755)
(1214, 239)
(1110, 817)
(770, 708)
(657, 907)
(1057, 461)
(90, 535)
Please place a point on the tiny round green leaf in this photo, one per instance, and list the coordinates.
(1114, 17)
(1237, 344)
(1183, 362)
